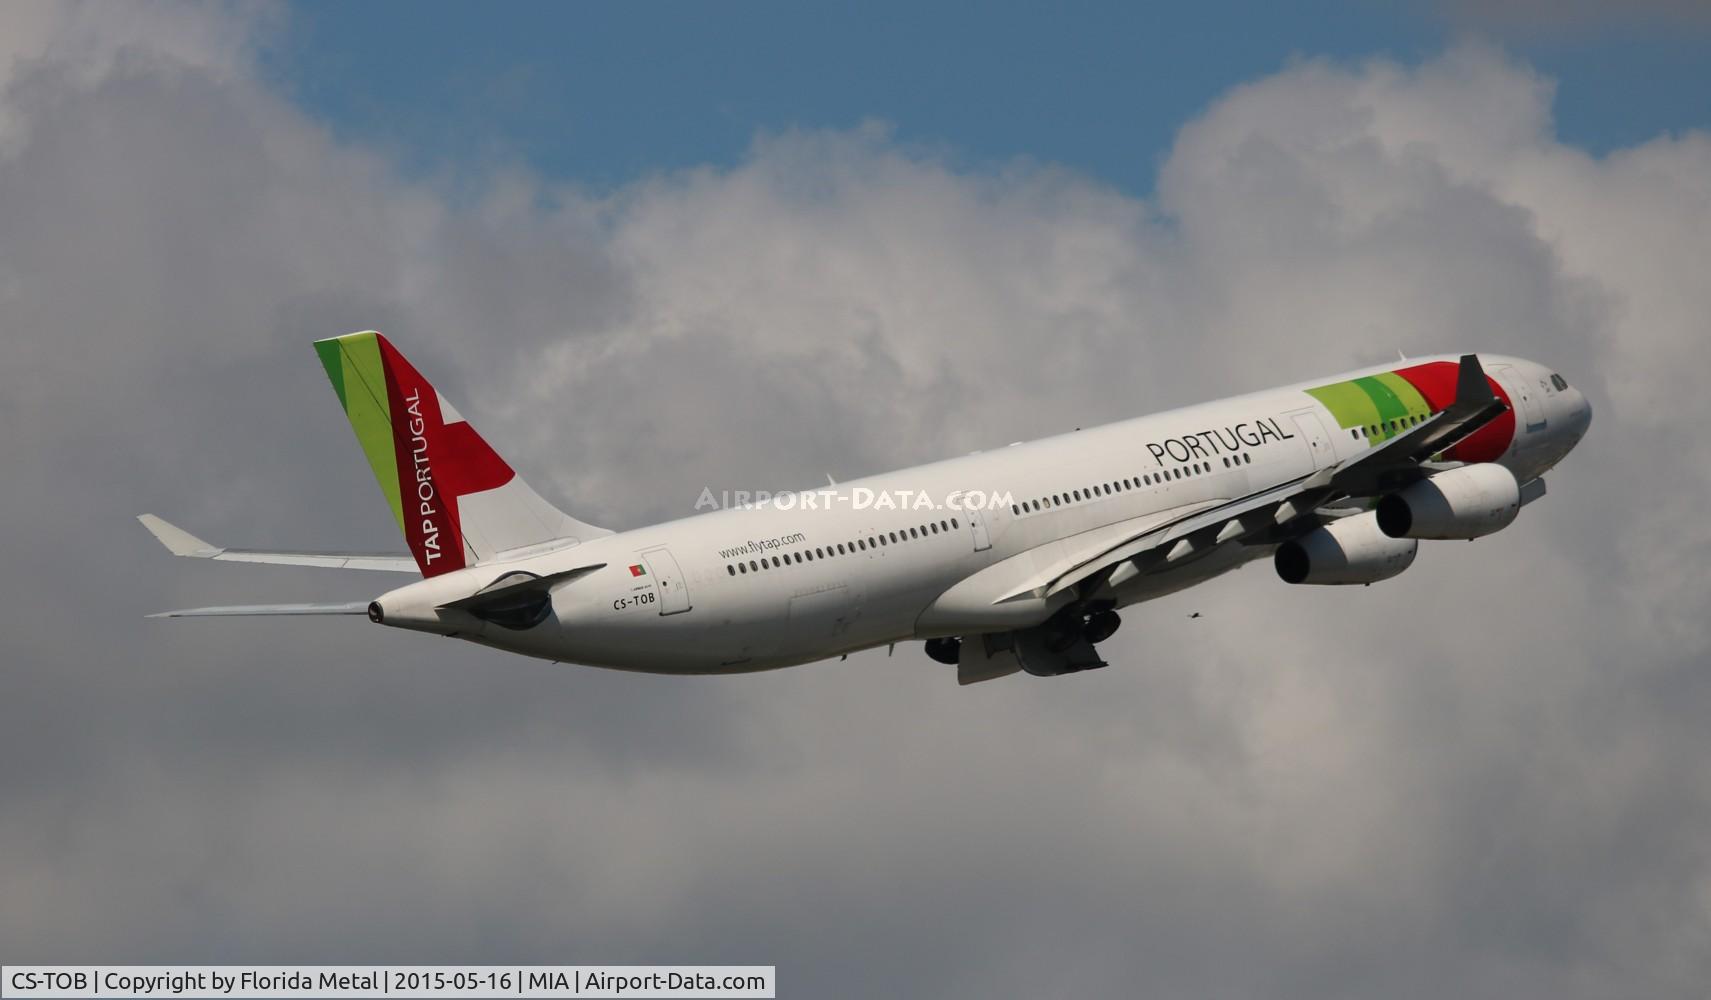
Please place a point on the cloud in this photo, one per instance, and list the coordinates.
(1483, 778)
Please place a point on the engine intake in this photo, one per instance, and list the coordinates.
(1349, 550)
(1469, 502)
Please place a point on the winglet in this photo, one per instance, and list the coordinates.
(178, 541)
(1472, 389)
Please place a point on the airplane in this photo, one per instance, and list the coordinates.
(1011, 560)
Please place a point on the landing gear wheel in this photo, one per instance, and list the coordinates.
(1101, 625)
(945, 650)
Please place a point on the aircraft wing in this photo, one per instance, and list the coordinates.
(1287, 510)
(182, 543)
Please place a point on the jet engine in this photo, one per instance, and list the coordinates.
(1469, 502)
(1346, 551)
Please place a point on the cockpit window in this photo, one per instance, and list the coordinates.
(1558, 381)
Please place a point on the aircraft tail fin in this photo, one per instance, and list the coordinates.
(456, 501)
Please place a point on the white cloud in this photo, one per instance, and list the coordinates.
(1477, 779)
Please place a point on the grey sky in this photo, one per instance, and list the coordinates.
(1487, 778)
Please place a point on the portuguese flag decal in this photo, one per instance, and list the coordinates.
(638, 570)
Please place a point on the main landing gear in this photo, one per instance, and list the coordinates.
(945, 650)
(1101, 625)
(1063, 644)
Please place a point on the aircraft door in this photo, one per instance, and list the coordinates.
(1318, 442)
(669, 582)
(977, 524)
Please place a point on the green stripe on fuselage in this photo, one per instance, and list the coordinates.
(1413, 404)
(1383, 399)
(1348, 404)
(1372, 402)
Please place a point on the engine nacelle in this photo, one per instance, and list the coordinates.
(1469, 502)
(1349, 550)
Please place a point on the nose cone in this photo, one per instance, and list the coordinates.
(1579, 414)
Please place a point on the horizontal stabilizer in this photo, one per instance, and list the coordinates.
(182, 543)
(250, 610)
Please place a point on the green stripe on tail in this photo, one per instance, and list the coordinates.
(353, 365)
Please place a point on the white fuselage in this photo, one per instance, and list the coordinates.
(818, 574)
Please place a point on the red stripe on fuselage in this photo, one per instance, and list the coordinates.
(1436, 381)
